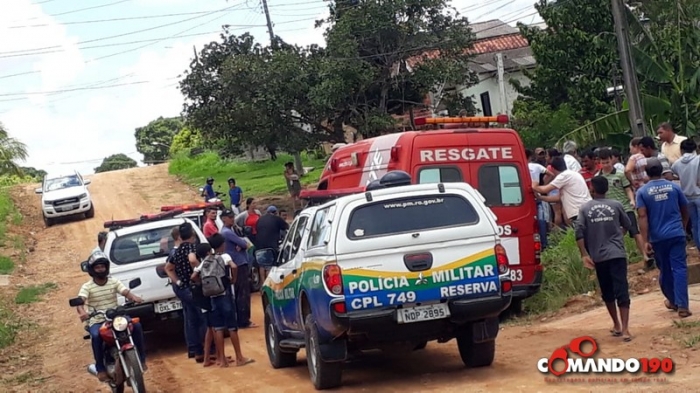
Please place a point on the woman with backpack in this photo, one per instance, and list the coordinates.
(216, 274)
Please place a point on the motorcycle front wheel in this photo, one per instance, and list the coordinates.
(131, 363)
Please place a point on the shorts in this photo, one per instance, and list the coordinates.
(634, 230)
(612, 278)
(223, 314)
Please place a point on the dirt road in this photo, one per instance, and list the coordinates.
(57, 356)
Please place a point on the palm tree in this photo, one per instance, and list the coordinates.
(11, 151)
(666, 49)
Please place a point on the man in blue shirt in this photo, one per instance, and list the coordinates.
(209, 189)
(237, 247)
(663, 217)
(235, 193)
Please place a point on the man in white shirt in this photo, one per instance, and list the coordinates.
(573, 191)
(570, 156)
(537, 173)
(671, 142)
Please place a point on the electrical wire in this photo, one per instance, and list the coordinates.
(89, 8)
(69, 90)
(495, 9)
(126, 18)
(123, 34)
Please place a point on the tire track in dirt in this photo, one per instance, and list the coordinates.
(123, 194)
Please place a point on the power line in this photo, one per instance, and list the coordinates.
(122, 34)
(69, 90)
(125, 18)
(495, 9)
(89, 8)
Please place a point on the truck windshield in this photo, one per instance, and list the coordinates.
(60, 183)
(410, 215)
(141, 246)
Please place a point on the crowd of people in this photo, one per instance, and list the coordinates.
(654, 198)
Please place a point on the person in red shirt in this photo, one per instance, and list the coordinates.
(210, 228)
(589, 166)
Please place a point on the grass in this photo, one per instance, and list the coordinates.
(32, 293)
(256, 178)
(564, 273)
(9, 327)
(6, 265)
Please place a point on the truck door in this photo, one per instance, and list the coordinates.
(286, 296)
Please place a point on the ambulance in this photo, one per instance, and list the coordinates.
(464, 149)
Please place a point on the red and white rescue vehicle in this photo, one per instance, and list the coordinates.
(466, 149)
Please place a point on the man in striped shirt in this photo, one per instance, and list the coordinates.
(100, 294)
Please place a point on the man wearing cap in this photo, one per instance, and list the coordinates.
(236, 248)
(269, 228)
(663, 217)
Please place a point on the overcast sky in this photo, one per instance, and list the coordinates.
(73, 86)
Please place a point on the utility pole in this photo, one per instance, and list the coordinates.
(629, 73)
(298, 165)
(501, 84)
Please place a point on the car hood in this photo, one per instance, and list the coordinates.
(64, 193)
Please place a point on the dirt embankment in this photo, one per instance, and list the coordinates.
(51, 355)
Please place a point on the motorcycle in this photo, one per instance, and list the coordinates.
(121, 355)
(219, 196)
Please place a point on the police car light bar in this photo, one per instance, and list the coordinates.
(116, 224)
(502, 119)
(193, 206)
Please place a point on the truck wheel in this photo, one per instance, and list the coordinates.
(278, 359)
(48, 221)
(420, 345)
(90, 213)
(324, 375)
(475, 354)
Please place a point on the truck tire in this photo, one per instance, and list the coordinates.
(475, 354)
(48, 221)
(256, 280)
(90, 213)
(278, 358)
(420, 345)
(324, 375)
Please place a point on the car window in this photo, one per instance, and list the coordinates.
(287, 243)
(60, 183)
(320, 227)
(410, 215)
(141, 246)
(298, 235)
(439, 175)
(500, 185)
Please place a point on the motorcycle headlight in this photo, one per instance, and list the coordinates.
(120, 324)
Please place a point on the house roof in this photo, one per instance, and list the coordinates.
(513, 59)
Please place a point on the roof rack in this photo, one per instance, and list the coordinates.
(193, 206)
(117, 224)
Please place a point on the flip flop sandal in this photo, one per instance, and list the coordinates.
(627, 338)
(246, 362)
(615, 333)
(670, 306)
(684, 313)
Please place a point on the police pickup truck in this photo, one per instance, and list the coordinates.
(138, 248)
(396, 266)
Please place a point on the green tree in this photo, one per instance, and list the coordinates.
(154, 139)
(116, 162)
(11, 151)
(34, 173)
(382, 58)
(186, 139)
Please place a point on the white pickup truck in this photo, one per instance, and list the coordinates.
(138, 249)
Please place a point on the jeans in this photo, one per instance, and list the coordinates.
(98, 347)
(242, 291)
(673, 270)
(542, 222)
(694, 210)
(195, 324)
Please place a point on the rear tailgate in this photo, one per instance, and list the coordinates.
(416, 249)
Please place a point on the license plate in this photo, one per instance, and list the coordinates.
(66, 208)
(168, 306)
(423, 313)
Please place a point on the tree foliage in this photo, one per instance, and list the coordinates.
(186, 139)
(116, 162)
(381, 58)
(576, 57)
(32, 172)
(11, 151)
(154, 139)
